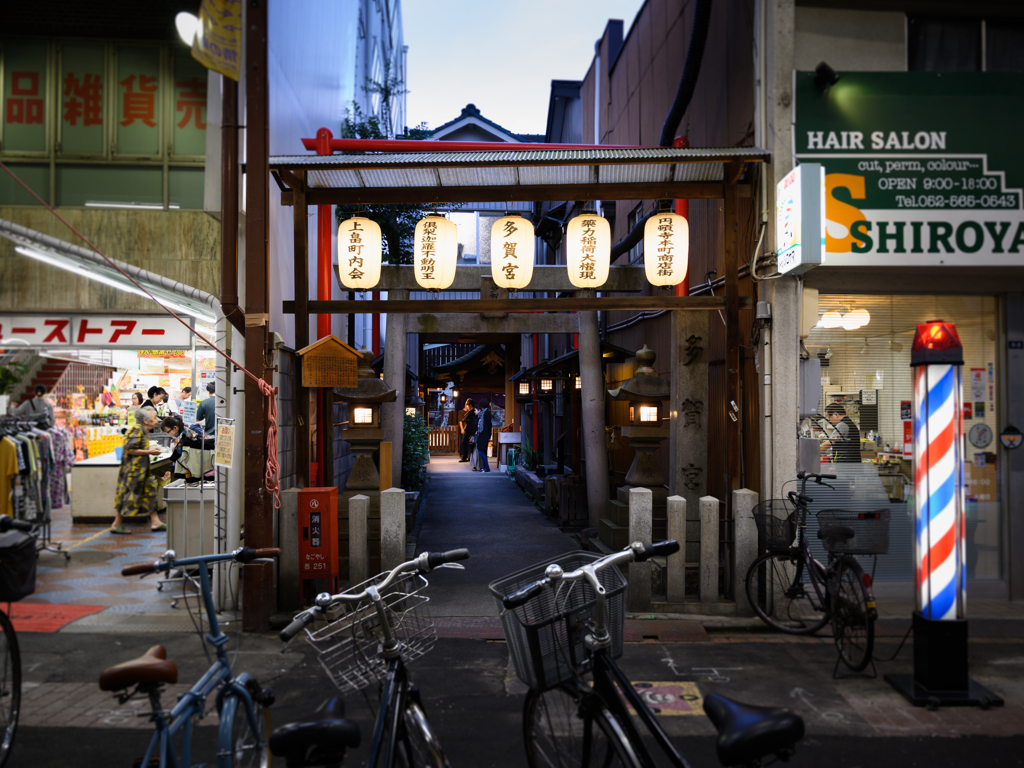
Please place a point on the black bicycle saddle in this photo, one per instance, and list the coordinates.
(747, 733)
(319, 740)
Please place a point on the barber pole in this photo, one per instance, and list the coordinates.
(937, 358)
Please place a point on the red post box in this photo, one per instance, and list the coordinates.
(318, 534)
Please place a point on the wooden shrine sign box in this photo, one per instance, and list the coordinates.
(329, 362)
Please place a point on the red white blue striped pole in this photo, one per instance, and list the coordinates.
(937, 358)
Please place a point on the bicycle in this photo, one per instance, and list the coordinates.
(17, 580)
(369, 634)
(564, 632)
(793, 592)
(241, 704)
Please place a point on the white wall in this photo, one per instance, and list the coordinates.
(852, 40)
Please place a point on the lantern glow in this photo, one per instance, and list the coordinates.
(648, 413)
(579, 382)
(436, 250)
(362, 415)
(666, 248)
(546, 385)
(359, 253)
(524, 387)
(512, 252)
(588, 250)
(410, 411)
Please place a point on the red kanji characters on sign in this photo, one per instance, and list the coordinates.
(139, 105)
(124, 328)
(19, 108)
(86, 100)
(57, 334)
(191, 98)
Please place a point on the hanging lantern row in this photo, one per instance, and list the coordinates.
(588, 240)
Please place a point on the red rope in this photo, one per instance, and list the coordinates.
(270, 479)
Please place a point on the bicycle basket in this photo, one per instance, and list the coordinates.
(17, 565)
(349, 640)
(545, 634)
(776, 523)
(870, 532)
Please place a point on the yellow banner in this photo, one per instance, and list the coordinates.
(225, 445)
(218, 42)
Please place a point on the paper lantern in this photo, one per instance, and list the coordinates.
(436, 250)
(512, 247)
(832, 319)
(666, 248)
(359, 253)
(588, 241)
(856, 318)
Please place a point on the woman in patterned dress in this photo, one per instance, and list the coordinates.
(136, 491)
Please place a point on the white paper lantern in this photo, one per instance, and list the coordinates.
(666, 248)
(512, 247)
(588, 242)
(359, 253)
(435, 253)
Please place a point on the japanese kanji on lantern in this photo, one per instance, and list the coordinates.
(588, 241)
(435, 251)
(359, 253)
(666, 248)
(512, 252)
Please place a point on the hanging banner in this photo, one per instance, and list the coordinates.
(225, 444)
(218, 43)
(188, 411)
(103, 331)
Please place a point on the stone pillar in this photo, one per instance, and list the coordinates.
(709, 549)
(393, 414)
(289, 585)
(511, 367)
(595, 446)
(640, 523)
(745, 547)
(392, 528)
(688, 440)
(675, 578)
(358, 555)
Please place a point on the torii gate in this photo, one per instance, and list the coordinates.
(453, 172)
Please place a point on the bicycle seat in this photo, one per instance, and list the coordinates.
(836, 532)
(747, 733)
(150, 667)
(319, 740)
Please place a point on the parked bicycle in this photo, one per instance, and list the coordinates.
(793, 592)
(564, 625)
(364, 636)
(17, 580)
(240, 703)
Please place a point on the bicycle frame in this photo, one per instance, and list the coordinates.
(394, 695)
(232, 690)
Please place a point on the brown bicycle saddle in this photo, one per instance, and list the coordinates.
(150, 667)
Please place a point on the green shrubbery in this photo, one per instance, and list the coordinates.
(415, 452)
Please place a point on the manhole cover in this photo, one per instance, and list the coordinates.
(90, 556)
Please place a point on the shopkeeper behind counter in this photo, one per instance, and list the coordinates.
(845, 440)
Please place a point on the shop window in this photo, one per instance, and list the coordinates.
(105, 186)
(186, 188)
(943, 44)
(636, 253)
(36, 176)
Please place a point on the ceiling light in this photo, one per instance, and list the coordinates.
(831, 319)
(895, 346)
(187, 25)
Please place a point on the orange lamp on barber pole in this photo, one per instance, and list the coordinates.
(588, 245)
(359, 253)
(512, 252)
(666, 248)
(435, 252)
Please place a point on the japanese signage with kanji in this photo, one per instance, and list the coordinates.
(24, 90)
(218, 44)
(105, 331)
(82, 99)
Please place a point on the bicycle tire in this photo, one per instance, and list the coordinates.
(244, 752)
(792, 607)
(10, 687)
(852, 624)
(424, 750)
(557, 728)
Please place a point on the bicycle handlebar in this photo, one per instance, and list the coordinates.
(168, 561)
(7, 523)
(298, 624)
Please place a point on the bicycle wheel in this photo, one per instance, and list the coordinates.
(557, 729)
(852, 625)
(780, 591)
(424, 750)
(248, 749)
(10, 686)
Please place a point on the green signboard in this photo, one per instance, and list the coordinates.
(25, 90)
(82, 98)
(138, 100)
(921, 168)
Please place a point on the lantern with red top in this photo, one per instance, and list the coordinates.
(936, 342)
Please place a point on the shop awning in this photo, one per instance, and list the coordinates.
(85, 263)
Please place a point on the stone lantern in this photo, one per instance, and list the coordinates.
(363, 431)
(646, 392)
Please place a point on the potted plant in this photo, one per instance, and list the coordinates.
(10, 376)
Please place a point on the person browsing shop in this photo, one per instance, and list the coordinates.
(186, 445)
(137, 491)
(206, 412)
(37, 407)
(845, 440)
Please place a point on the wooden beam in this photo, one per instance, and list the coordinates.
(545, 278)
(296, 181)
(514, 306)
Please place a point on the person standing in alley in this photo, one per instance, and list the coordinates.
(467, 428)
(483, 437)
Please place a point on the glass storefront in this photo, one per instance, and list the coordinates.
(865, 370)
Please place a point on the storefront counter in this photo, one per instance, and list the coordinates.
(94, 484)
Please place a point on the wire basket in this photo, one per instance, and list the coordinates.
(870, 532)
(776, 523)
(545, 634)
(349, 640)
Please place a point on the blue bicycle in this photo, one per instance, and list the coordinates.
(241, 704)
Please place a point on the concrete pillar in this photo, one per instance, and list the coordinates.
(688, 438)
(393, 414)
(676, 574)
(595, 446)
(358, 555)
(289, 586)
(709, 549)
(392, 528)
(641, 502)
(745, 546)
